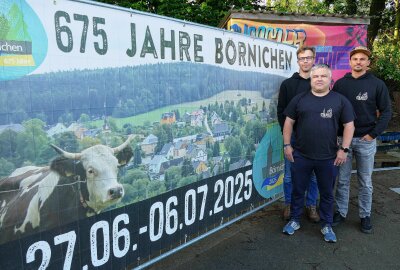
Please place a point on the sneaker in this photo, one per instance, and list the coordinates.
(286, 213)
(291, 227)
(366, 226)
(312, 213)
(329, 235)
(337, 219)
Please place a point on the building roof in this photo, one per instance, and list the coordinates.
(241, 163)
(14, 127)
(166, 148)
(57, 129)
(221, 128)
(292, 17)
(151, 139)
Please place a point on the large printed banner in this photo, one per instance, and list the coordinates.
(332, 42)
(124, 135)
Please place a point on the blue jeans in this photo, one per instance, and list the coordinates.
(364, 152)
(312, 192)
(326, 173)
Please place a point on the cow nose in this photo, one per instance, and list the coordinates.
(116, 192)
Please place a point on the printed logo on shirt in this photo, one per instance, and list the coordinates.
(362, 96)
(327, 114)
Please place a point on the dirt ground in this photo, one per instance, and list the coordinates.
(257, 242)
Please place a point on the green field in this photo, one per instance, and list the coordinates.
(155, 116)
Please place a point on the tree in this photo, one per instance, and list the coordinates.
(6, 167)
(155, 188)
(87, 142)
(375, 12)
(84, 118)
(133, 175)
(216, 149)
(235, 150)
(200, 11)
(172, 176)
(137, 156)
(67, 141)
(140, 189)
(32, 140)
(187, 168)
(8, 144)
(397, 22)
(187, 180)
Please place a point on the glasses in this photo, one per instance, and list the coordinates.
(303, 59)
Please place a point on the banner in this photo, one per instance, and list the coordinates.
(332, 42)
(124, 135)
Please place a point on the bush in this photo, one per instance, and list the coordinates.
(386, 63)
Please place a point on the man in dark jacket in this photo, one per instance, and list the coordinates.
(368, 95)
(298, 83)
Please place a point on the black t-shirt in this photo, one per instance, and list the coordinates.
(317, 123)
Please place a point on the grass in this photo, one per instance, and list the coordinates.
(155, 115)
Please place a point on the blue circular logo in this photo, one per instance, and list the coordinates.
(268, 164)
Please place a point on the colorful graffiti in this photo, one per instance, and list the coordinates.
(332, 42)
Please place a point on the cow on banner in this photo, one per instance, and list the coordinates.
(74, 186)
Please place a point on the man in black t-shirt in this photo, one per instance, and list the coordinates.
(317, 114)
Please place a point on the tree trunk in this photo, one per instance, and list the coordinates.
(375, 12)
(396, 23)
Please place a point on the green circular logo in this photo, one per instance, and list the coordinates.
(23, 40)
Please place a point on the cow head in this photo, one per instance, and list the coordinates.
(98, 165)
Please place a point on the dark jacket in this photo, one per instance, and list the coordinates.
(289, 89)
(367, 94)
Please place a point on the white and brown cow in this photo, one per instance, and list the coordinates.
(75, 185)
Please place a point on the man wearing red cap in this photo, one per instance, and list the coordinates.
(367, 94)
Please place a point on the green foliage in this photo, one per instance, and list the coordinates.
(172, 176)
(205, 11)
(6, 167)
(234, 147)
(133, 175)
(31, 142)
(164, 134)
(187, 180)
(8, 144)
(67, 141)
(155, 188)
(386, 62)
(216, 149)
(137, 156)
(187, 168)
(4, 27)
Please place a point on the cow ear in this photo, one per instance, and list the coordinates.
(66, 167)
(124, 156)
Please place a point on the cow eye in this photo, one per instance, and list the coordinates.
(90, 171)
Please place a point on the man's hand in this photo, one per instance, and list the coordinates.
(341, 158)
(367, 138)
(289, 153)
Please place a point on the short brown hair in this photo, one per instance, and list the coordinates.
(305, 48)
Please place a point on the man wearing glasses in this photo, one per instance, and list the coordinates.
(318, 114)
(367, 94)
(298, 83)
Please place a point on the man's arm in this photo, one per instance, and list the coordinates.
(383, 104)
(348, 132)
(287, 135)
